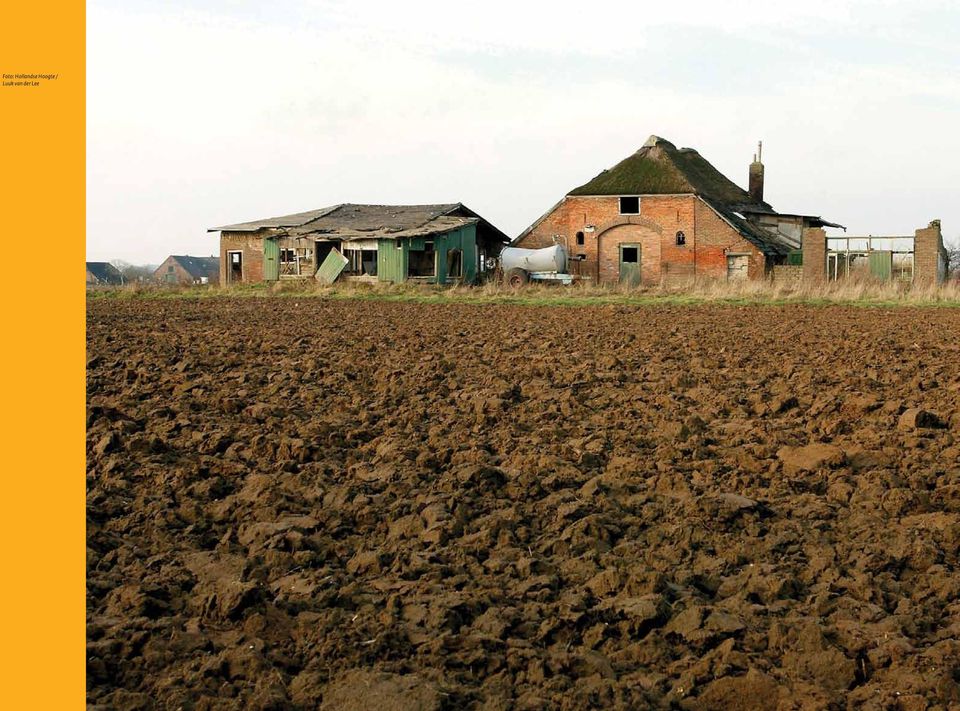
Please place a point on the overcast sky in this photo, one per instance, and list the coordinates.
(201, 114)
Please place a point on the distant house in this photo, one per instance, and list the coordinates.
(444, 243)
(103, 274)
(665, 212)
(185, 270)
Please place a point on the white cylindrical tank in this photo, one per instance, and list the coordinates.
(548, 259)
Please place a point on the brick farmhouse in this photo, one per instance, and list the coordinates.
(665, 213)
(185, 270)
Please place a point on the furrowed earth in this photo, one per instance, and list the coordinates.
(299, 504)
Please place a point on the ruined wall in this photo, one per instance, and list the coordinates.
(929, 256)
(814, 255)
(708, 239)
(251, 245)
(786, 274)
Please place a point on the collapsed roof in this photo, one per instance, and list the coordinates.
(352, 221)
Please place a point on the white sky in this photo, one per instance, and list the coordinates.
(202, 114)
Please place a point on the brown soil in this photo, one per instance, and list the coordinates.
(302, 504)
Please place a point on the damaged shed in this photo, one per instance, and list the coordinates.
(437, 244)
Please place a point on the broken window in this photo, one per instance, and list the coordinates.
(287, 256)
(630, 205)
(422, 262)
(323, 249)
(455, 263)
(630, 255)
(361, 262)
(236, 267)
(580, 238)
(681, 239)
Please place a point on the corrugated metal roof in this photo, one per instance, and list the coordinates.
(436, 226)
(392, 221)
(355, 221)
(812, 220)
(767, 242)
(294, 220)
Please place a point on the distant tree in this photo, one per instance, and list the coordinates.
(953, 254)
(134, 272)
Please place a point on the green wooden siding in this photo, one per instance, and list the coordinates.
(271, 260)
(393, 255)
(392, 260)
(331, 267)
(881, 265)
(464, 239)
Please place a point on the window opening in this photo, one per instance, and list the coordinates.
(422, 262)
(455, 263)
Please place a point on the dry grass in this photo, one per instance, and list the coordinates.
(866, 293)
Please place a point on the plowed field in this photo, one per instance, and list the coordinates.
(296, 504)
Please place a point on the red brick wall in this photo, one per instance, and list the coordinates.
(708, 237)
(609, 249)
(786, 274)
(927, 249)
(814, 255)
(251, 244)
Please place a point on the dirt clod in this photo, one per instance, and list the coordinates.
(810, 457)
(917, 418)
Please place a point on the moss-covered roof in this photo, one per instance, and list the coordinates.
(660, 168)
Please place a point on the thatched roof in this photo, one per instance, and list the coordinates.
(660, 168)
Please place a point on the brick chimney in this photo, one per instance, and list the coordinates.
(756, 174)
